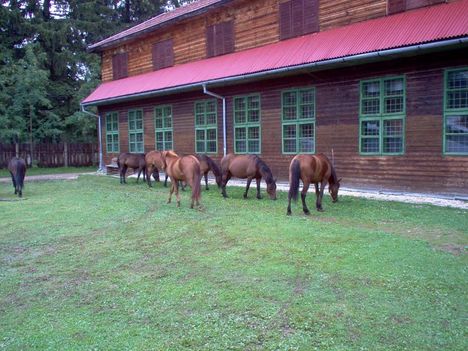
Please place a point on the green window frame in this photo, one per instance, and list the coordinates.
(206, 126)
(135, 131)
(298, 121)
(456, 111)
(247, 126)
(382, 116)
(112, 132)
(163, 128)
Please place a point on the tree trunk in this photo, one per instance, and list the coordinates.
(65, 154)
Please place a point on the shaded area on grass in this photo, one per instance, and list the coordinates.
(93, 264)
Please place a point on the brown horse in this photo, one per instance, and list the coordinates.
(250, 167)
(312, 169)
(17, 168)
(154, 162)
(185, 169)
(134, 161)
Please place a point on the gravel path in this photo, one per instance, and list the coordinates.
(283, 186)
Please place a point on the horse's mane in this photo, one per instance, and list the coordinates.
(214, 167)
(264, 170)
(171, 153)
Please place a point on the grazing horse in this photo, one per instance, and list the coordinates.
(17, 168)
(185, 169)
(312, 169)
(134, 161)
(250, 167)
(154, 162)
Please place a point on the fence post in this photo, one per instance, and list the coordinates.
(65, 154)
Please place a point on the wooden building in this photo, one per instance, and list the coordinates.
(379, 85)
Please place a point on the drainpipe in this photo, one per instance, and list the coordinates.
(101, 163)
(224, 115)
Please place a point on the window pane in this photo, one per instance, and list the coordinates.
(139, 124)
(254, 116)
(457, 143)
(306, 130)
(289, 98)
(211, 118)
(158, 113)
(160, 145)
(371, 89)
(200, 120)
(168, 122)
(240, 133)
(168, 136)
(211, 134)
(211, 146)
(254, 133)
(239, 104)
(393, 105)
(200, 146)
(393, 87)
(132, 138)
(115, 124)
(199, 108)
(241, 146)
(139, 137)
(254, 146)
(393, 144)
(393, 127)
(289, 131)
(289, 145)
(289, 113)
(158, 123)
(168, 146)
(210, 107)
(458, 80)
(131, 124)
(307, 111)
(200, 135)
(370, 145)
(457, 124)
(370, 106)
(457, 99)
(240, 117)
(370, 128)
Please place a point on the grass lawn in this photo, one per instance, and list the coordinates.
(58, 170)
(95, 265)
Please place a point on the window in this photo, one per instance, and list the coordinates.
(456, 112)
(247, 124)
(298, 17)
(135, 131)
(220, 39)
(112, 132)
(298, 121)
(382, 116)
(163, 127)
(120, 66)
(206, 127)
(163, 54)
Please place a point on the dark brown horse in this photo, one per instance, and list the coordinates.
(134, 161)
(315, 169)
(154, 162)
(208, 164)
(17, 168)
(250, 167)
(185, 169)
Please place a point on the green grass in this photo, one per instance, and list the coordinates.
(58, 170)
(95, 265)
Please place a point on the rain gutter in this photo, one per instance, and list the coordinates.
(101, 162)
(207, 92)
(326, 64)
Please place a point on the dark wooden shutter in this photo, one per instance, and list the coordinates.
(163, 54)
(311, 16)
(297, 16)
(395, 6)
(120, 66)
(228, 34)
(285, 11)
(210, 41)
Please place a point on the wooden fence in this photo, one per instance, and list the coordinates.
(52, 155)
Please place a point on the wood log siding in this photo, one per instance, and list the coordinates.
(163, 54)
(395, 6)
(422, 167)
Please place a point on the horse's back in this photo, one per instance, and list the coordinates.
(314, 168)
(17, 164)
(240, 166)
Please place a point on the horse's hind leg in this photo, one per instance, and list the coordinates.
(170, 193)
(206, 180)
(258, 180)
(249, 180)
(165, 180)
(320, 196)
(305, 188)
(14, 183)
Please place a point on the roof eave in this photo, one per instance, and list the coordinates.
(364, 58)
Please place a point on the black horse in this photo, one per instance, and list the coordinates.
(17, 168)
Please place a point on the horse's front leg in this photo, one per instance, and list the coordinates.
(165, 180)
(249, 180)
(149, 171)
(206, 180)
(258, 180)
(14, 183)
(305, 188)
(225, 179)
(170, 193)
(176, 186)
(320, 196)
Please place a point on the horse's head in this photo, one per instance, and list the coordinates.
(333, 189)
(271, 189)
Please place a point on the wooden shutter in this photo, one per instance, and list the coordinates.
(220, 39)
(285, 20)
(297, 16)
(210, 41)
(163, 54)
(120, 66)
(395, 6)
(228, 34)
(311, 16)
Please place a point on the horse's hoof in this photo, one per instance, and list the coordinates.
(307, 213)
(288, 213)
(320, 209)
(245, 196)
(259, 197)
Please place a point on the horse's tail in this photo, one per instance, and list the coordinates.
(294, 176)
(196, 187)
(215, 169)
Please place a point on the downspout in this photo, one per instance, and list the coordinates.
(224, 115)
(101, 162)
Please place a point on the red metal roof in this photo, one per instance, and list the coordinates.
(188, 10)
(430, 24)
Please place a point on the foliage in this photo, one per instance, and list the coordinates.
(58, 33)
(139, 274)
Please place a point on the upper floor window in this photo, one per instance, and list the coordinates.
(247, 124)
(382, 116)
(456, 112)
(206, 127)
(120, 66)
(298, 17)
(298, 121)
(112, 132)
(163, 54)
(135, 131)
(220, 39)
(395, 6)
(163, 127)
